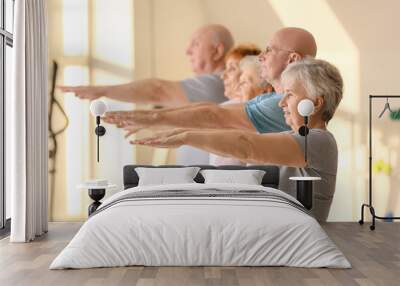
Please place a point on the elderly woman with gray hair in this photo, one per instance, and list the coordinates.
(312, 79)
(251, 82)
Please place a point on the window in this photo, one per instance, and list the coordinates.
(6, 44)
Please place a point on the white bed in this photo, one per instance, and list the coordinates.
(202, 231)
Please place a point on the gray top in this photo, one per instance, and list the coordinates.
(322, 157)
(188, 155)
(207, 87)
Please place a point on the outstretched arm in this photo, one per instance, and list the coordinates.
(188, 106)
(201, 116)
(148, 91)
(272, 148)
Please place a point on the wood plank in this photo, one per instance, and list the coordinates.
(375, 257)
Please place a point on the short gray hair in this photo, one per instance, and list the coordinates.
(319, 78)
(253, 62)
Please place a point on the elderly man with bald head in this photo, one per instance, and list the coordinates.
(206, 52)
(206, 46)
(261, 114)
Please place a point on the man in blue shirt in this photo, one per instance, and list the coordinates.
(264, 108)
(261, 114)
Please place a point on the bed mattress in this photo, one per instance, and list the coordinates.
(201, 225)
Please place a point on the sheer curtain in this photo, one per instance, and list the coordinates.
(27, 121)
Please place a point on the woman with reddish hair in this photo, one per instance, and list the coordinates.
(231, 74)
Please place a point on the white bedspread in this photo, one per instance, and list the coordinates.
(200, 231)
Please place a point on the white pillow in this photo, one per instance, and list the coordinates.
(248, 177)
(164, 176)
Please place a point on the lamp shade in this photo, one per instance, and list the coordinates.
(305, 107)
(98, 107)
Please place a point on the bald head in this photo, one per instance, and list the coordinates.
(287, 45)
(219, 34)
(207, 48)
(295, 39)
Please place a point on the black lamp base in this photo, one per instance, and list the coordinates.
(96, 195)
(305, 193)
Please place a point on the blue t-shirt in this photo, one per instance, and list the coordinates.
(265, 114)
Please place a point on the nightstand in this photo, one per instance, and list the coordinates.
(96, 193)
(304, 190)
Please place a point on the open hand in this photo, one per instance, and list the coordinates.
(132, 130)
(165, 139)
(85, 92)
(132, 118)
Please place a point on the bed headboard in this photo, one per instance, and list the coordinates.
(271, 177)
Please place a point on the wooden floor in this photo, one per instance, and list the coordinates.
(375, 257)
